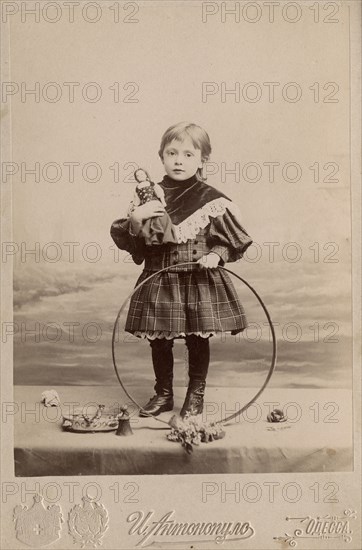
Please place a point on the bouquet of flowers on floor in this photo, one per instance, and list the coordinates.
(192, 431)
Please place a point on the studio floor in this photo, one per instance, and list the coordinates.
(317, 437)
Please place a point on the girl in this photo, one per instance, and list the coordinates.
(194, 301)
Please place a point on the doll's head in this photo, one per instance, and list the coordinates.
(141, 175)
(183, 150)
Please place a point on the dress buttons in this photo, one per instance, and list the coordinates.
(196, 242)
(194, 251)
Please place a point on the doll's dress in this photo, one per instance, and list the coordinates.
(155, 231)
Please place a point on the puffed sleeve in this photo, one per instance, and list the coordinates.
(227, 237)
(120, 233)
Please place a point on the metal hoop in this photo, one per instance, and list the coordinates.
(274, 342)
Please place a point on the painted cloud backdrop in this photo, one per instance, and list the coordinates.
(311, 295)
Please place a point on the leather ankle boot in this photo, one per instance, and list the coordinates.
(162, 358)
(161, 402)
(194, 402)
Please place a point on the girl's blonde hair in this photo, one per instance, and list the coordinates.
(199, 137)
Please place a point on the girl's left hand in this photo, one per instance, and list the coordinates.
(210, 260)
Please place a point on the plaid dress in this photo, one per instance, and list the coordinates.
(186, 299)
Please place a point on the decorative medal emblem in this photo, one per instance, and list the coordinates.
(37, 526)
(88, 522)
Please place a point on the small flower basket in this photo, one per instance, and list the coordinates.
(192, 431)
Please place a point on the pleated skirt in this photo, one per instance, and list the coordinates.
(173, 304)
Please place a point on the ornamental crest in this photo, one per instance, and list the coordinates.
(88, 522)
(37, 526)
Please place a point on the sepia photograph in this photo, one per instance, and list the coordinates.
(181, 292)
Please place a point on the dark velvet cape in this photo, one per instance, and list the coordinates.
(226, 235)
(183, 198)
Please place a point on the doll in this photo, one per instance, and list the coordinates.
(155, 231)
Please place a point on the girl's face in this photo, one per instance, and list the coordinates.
(181, 160)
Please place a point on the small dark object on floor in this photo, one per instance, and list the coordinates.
(276, 416)
(124, 426)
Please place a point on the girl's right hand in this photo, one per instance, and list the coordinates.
(151, 209)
